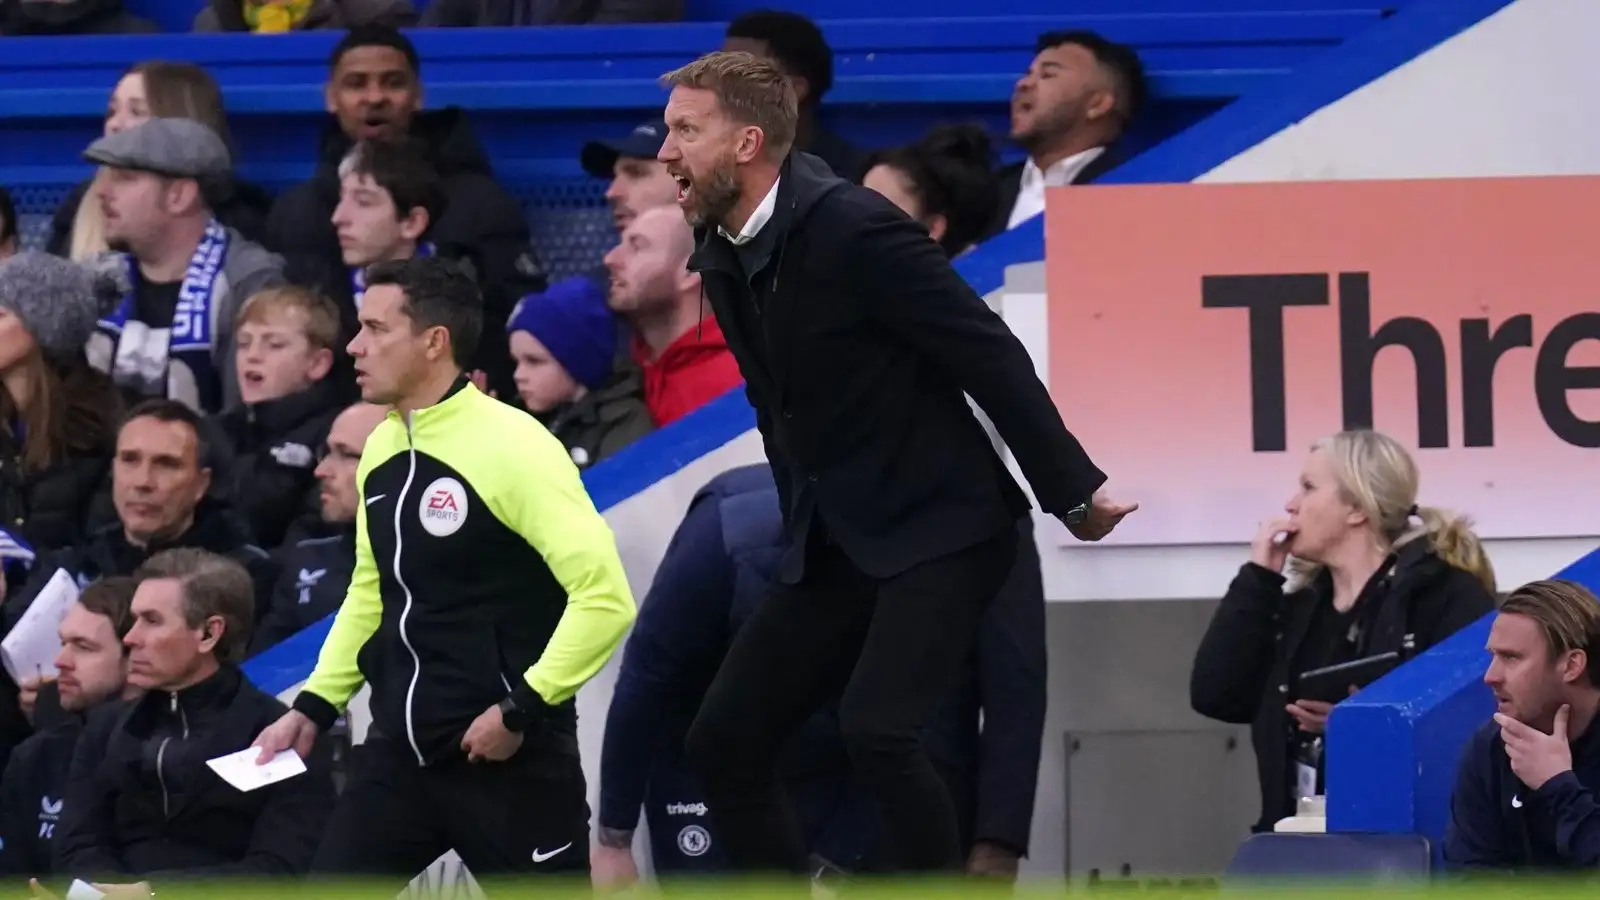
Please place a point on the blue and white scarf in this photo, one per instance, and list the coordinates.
(358, 275)
(177, 361)
(13, 548)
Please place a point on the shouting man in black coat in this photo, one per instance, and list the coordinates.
(857, 341)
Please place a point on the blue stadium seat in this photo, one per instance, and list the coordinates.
(1354, 857)
(537, 94)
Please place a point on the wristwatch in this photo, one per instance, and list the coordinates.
(516, 719)
(1076, 515)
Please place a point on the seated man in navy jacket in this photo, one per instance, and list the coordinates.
(717, 568)
(1525, 796)
(316, 570)
(142, 807)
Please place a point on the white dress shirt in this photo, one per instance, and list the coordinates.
(1030, 194)
(758, 219)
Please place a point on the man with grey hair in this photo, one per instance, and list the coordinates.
(141, 803)
(172, 334)
(857, 341)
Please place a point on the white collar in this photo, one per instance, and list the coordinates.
(758, 219)
(1062, 172)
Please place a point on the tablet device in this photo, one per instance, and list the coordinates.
(1330, 684)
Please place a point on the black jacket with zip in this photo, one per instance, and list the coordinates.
(314, 576)
(482, 571)
(1498, 825)
(859, 343)
(142, 805)
(32, 797)
(1246, 666)
(108, 552)
(274, 447)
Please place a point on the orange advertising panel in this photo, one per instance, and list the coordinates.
(1203, 336)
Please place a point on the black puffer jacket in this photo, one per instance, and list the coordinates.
(604, 421)
(274, 448)
(142, 802)
(108, 552)
(478, 215)
(1256, 645)
(58, 507)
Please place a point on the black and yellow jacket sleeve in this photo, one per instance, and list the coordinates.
(482, 569)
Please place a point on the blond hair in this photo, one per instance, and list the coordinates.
(321, 315)
(750, 90)
(1567, 613)
(1376, 475)
(173, 90)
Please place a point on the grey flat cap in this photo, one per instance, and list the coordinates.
(180, 148)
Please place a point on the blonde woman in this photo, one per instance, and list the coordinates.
(1356, 569)
(172, 90)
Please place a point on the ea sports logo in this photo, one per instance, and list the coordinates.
(444, 507)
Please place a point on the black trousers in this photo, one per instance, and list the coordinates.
(525, 816)
(890, 649)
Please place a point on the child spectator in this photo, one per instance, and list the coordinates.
(173, 90)
(390, 197)
(564, 344)
(375, 92)
(284, 352)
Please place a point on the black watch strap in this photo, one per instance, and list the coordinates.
(514, 717)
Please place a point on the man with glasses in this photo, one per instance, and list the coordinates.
(316, 570)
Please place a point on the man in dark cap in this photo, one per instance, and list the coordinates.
(638, 181)
(172, 335)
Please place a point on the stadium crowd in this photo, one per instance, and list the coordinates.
(207, 389)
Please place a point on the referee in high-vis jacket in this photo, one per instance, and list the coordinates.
(486, 591)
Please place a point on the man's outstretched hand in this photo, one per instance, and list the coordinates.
(293, 730)
(1104, 516)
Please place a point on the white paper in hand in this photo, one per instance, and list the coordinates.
(30, 650)
(83, 890)
(240, 769)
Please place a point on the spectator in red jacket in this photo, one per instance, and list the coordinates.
(676, 342)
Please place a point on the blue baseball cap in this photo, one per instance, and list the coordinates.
(599, 158)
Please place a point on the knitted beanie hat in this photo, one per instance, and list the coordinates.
(60, 301)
